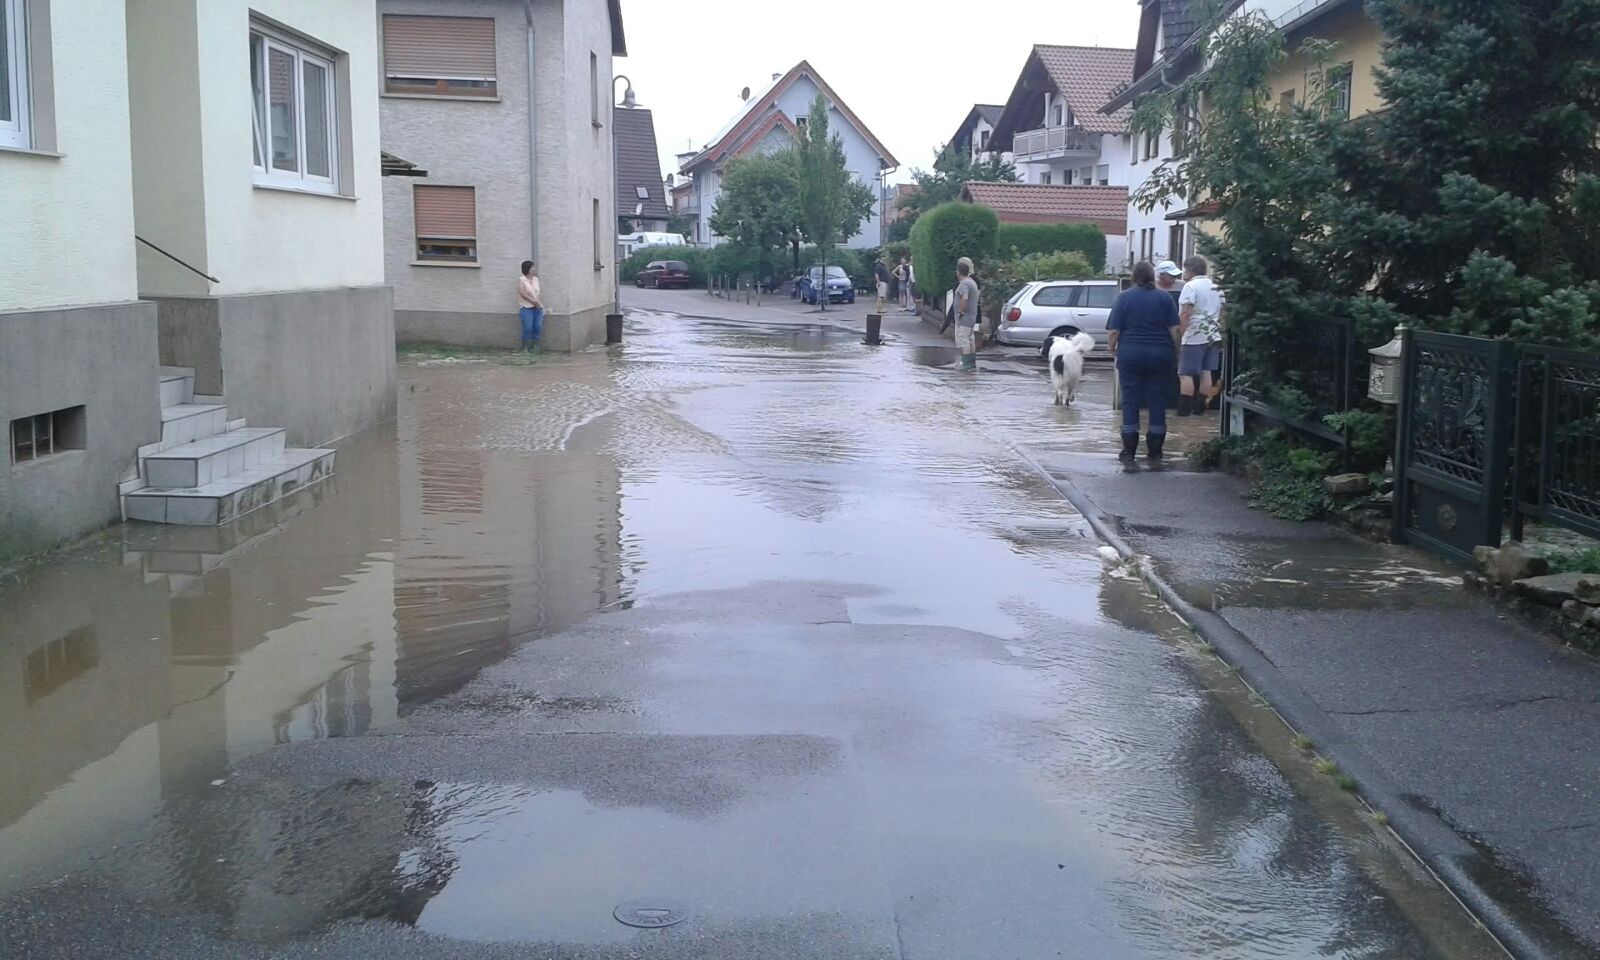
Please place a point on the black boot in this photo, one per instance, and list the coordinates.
(1130, 446)
(1153, 443)
(1185, 405)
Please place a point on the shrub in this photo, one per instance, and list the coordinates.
(694, 257)
(947, 233)
(1021, 239)
(1369, 437)
(856, 263)
(1003, 278)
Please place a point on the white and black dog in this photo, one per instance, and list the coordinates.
(1066, 364)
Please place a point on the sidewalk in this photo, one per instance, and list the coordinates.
(1477, 738)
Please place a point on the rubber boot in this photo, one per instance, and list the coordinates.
(1185, 405)
(1130, 447)
(1153, 443)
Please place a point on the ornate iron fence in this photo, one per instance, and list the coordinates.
(1328, 371)
(1556, 472)
(1453, 455)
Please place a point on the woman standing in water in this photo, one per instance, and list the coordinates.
(1144, 340)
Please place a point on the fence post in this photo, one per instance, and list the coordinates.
(1402, 443)
(1497, 440)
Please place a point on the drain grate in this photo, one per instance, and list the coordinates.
(652, 913)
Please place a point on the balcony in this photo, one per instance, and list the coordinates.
(689, 206)
(1055, 143)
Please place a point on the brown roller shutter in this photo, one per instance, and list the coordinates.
(448, 54)
(446, 211)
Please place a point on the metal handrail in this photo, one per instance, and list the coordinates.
(192, 269)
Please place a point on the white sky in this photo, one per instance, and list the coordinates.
(910, 69)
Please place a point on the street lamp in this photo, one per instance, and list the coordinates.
(614, 319)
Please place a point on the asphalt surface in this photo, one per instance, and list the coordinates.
(744, 619)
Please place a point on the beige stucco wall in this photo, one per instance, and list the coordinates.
(195, 184)
(580, 162)
(68, 236)
(1359, 43)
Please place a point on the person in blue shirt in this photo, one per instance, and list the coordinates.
(1144, 340)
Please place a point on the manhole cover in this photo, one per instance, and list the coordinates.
(651, 913)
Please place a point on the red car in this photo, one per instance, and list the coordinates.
(664, 273)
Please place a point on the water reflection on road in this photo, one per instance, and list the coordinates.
(752, 616)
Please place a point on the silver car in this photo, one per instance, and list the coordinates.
(1046, 308)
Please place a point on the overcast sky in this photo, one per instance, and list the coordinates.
(910, 69)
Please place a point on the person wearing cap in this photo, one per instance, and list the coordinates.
(1200, 317)
(1167, 274)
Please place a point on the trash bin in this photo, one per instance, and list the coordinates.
(613, 328)
(874, 328)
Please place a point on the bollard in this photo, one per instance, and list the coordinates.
(874, 329)
(613, 328)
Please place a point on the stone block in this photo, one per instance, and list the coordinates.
(1588, 589)
(1576, 610)
(1513, 562)
(1347, 484)
(1485, 557)
(1552, 590)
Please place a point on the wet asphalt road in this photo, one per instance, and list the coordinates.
(752, 622)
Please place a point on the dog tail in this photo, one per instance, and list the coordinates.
(1059, 362)
(1082, 343)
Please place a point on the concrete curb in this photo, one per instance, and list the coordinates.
(1428, 837)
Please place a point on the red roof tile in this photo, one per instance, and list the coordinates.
(1105, 207)
(1085, 77)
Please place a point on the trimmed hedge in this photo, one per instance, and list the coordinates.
(1014, 240)
(944, 235)
(694, 257)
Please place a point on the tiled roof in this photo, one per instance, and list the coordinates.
(638, 165)
(990, 112)
(987, 112)
(1106, 207)
(1085, 77)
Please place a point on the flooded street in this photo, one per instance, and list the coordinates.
(749, 630)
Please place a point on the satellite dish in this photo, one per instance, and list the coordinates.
(744, 94)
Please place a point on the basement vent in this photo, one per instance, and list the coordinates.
(44, 434)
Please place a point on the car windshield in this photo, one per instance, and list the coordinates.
(834, 273)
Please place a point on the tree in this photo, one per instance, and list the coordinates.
(952, 170)
(832, 202)
(680, 224)
(759, 207)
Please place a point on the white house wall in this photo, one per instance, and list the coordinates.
(579, 169)
(68, 236)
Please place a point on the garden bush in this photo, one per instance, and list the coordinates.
(947, 233)
(1021, 239)
(1003, 278)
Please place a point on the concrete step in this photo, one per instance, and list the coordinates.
(188, 422)
(213, 458)
(177, 386)
(234, 495)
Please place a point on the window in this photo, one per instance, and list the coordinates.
(1102, 174)
(1286, 100)
(643, 193)
(1180, 131)
(1339, 82)
(599, 264)
(447, 223)
(1086, 175)
(15, 130)
(1057, 115)
(439, 56)
(1151, 142)
(295, 128)
(1057, 296)
(800, 122)
(46, 434)
(1100, 295)
(594, 88)
(1044, 177)
(983, 140)
(1175, 242)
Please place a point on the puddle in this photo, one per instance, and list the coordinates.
(747, 618)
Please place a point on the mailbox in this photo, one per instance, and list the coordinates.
(1383, 382)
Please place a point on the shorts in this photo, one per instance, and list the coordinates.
(1195, 358)
(883, 290)
(966, 342)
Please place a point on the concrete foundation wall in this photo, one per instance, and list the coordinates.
(562, 332)
(100, 357)
(319, 363)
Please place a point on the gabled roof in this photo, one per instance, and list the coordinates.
(757, 111)
(619, 41)
(638, 164)
(1105, 207)
(1177, 22)
(987, 112)
(1083, 76)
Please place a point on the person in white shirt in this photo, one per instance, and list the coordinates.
(1200, 319)
(529, 307)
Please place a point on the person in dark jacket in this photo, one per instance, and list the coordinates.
(1144, 339)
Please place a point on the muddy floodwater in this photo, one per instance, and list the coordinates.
(755, 636)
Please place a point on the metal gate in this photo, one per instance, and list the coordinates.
(1454, 450)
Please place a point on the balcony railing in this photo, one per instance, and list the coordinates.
(689, 204)
(1050, 143)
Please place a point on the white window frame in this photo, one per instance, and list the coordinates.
(262, 44)
(18, 131)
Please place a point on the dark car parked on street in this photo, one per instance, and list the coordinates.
(662, 274)
(840, 290)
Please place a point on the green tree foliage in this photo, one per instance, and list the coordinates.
(1022, 239)
(1004, 277)
(1472, 204)
(947, 233)
(694, 257)
(952, 170)
(832, 202)
(759, 207)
